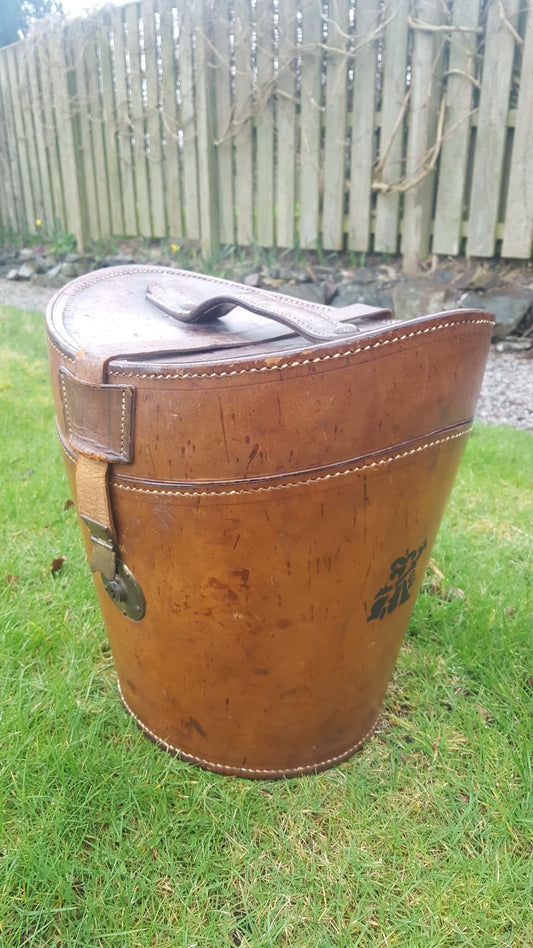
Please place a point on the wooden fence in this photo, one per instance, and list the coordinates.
(367, 125)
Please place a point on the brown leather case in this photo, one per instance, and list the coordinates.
(259, 481)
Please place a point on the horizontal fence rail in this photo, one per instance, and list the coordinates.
(366, 125)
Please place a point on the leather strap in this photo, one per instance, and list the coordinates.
(308, 322)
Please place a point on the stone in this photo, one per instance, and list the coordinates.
(25, 272)
(354, 293)
(252, 279)
(509, 306)
(414, 298)
(313, 292)
(12, 274)
(363, 275)
(116, 260)
(70, 269)
(43, 264)
(53, 277)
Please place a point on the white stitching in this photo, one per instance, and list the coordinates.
(60, 351)
(123, 424)
(65, 404)
(179, 492)
(231, 768)
(298, 362)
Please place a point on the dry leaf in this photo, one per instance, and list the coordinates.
(57, 564)
(68, 504)
(12, 579)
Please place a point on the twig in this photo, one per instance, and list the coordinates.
(466, 75)
(508, 25)
(399, 118)
(443, 28)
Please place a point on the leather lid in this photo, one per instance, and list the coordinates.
(108, 308)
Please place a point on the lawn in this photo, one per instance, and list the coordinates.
(422, 839)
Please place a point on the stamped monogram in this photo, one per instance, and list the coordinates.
(398, 589)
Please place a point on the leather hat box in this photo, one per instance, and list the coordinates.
(259, 482)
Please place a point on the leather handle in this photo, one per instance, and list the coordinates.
(309, 323)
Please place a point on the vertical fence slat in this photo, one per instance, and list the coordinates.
(34, 194)
(15, 185)
(8, 159)
(286, 127)
(170, 121)
(518, 229)
(221, 81)
(447, 228)
(109, 123)
(140, 171)
(190, 169)
(363, 124)
(122, 122)
(491, 129)
(45, 67)
(94, 115)
(153, 125)
(243, 122)
(44, 210)
(85, 160)
(208, 207)
(335, 125)
(390, 166)
(424, 106)
(65, 140)
(264, 124)
(310, 122)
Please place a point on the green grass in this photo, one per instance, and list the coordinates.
(422, 839)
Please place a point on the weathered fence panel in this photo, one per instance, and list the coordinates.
(365, 125)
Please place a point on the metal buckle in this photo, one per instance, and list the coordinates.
(119, 582)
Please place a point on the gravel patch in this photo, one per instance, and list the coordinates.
(506, 396)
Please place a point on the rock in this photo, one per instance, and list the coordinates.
(514, 345)
(70, 269)
(12, 274)
(53, 277)
(363, 275)
(445, 276)
(509, 307)
(25, 272)
(26, 253)
(314, 292)
(413, 298)
(330, 292)
(71, 258)
(43, 264)
(252, 279)
(355, 293)
(116, 260)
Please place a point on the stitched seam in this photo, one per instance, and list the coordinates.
(65, 406)
(178, 492)
(123, 424)
(60, 351)
(245, 770)
(299, 362)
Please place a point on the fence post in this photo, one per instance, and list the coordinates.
(203, 14)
